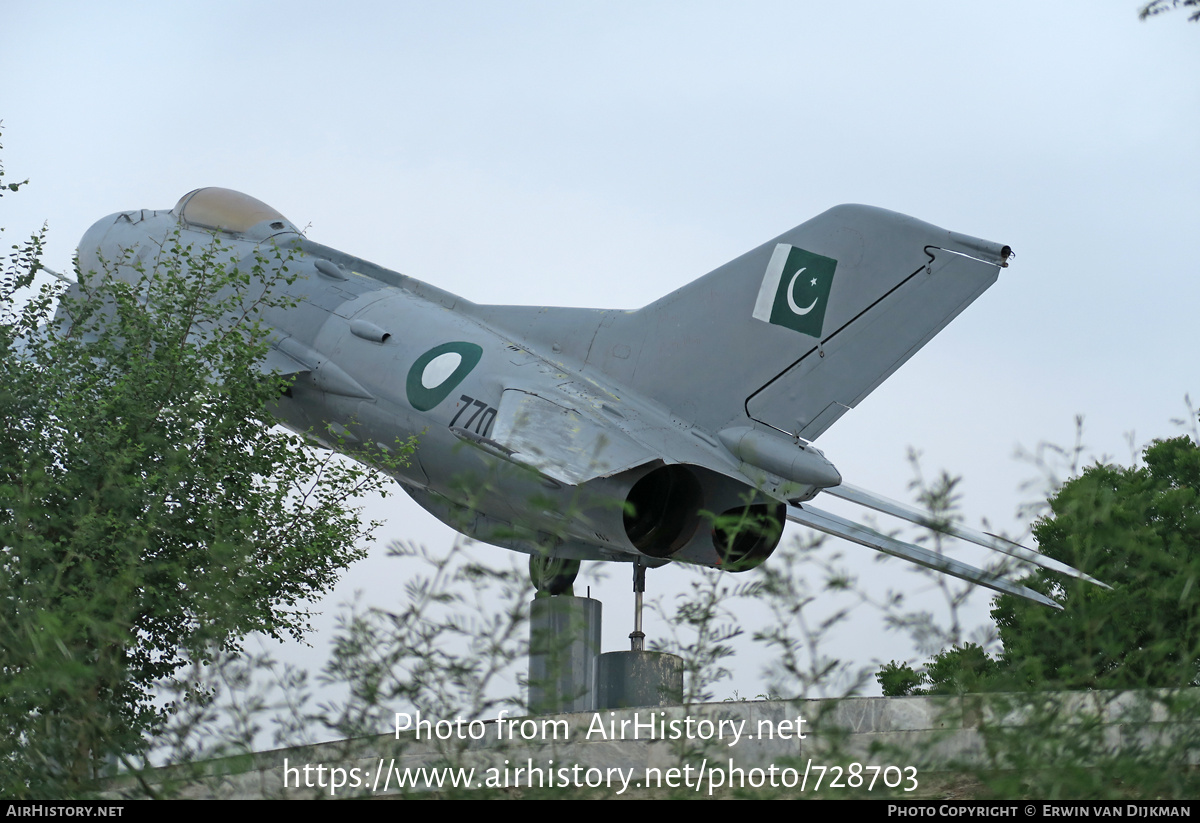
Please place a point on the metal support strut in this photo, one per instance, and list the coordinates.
(637, 638)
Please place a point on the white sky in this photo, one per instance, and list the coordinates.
(603, 154)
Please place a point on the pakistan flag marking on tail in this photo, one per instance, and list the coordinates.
(795, 290)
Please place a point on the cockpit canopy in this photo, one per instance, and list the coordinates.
(227, 210)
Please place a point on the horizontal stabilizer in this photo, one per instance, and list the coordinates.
(886, 505)
(839, 527)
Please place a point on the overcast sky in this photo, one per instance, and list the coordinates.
(479, 145)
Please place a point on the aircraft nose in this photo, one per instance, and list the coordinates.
(88, 252)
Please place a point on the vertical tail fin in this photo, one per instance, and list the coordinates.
(800, 329)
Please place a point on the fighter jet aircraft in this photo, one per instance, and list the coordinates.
(680, 431)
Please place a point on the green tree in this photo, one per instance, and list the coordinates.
(1160, 6)
(151, 513)
(960, 669)
(957, 670)
(900, 679)
(1137, 529)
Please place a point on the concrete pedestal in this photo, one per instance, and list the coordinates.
(564, 641)
(630, 679)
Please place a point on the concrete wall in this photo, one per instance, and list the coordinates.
(907, 733)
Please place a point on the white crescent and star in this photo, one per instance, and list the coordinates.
(792, 303)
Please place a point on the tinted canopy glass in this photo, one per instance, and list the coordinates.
(224, 209)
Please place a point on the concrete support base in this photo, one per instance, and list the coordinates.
(630, 679)
(564, 640)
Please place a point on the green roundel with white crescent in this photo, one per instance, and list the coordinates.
(438, 371)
